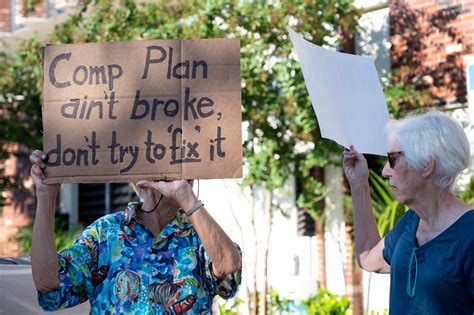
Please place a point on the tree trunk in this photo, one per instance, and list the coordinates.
(255, 292)
(318, 174)
(358, 294)
(269, 215)
(24, 9)
(321, 250)
(353, 276)
(255, 261)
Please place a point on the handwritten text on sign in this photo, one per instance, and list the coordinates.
(116, 112)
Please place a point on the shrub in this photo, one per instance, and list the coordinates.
(325, 303)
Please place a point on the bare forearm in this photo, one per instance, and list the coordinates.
(44, 260)
(365, 228)
(225, 256)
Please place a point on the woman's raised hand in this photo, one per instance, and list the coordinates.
(37, 159)
(180, 191)
(355, 167)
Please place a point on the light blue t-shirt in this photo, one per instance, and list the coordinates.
(435, 278)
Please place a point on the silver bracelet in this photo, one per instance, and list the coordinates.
(196, 206)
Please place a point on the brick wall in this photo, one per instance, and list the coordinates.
(5, 16)
(429, 41)
(39, 9)
(8, 13)
(19, 207)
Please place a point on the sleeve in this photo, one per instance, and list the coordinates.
(469, 270)
(468, 258)
(76, 265)
(226, 287)
(391, 239)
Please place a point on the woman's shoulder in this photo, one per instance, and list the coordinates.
(405, 223)
(465, 224)
(464, 227)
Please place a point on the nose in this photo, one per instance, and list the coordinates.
(387, 170)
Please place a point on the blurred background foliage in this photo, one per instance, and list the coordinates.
(468, 194)
(65, 236)
(322, 302)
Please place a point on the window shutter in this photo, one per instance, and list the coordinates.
(97, 200)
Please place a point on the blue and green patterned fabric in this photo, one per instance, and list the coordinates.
(122, 268)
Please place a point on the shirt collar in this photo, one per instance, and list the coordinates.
(177, 224)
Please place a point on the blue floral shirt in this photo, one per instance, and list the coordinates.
(122, 268)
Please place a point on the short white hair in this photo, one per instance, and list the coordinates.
(435, 134)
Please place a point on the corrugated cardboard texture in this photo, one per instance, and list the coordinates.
(161, 109)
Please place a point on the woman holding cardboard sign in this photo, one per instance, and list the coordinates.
(152, 258)
(430, 251)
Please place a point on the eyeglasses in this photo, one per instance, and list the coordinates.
(393, 157)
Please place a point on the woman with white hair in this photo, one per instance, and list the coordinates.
(430, 251)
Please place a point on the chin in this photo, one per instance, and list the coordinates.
(405, 201)
(401, 199)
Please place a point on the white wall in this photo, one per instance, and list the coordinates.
(466, 117)
(376, 292)
(334, 232)
(373, 39)
(292, 259)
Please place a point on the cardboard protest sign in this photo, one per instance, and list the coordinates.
(159, 109)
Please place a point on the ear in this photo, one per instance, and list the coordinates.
(429, 167)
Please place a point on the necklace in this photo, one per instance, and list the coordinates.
(153, 209)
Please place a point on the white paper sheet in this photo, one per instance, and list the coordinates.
(346, 94)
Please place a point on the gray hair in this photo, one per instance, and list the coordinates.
(436, 134)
